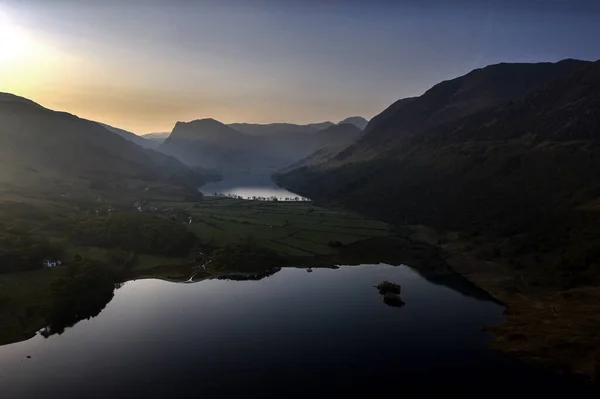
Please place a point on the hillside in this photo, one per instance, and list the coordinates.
(48, 153)
(134, 138)
(453, 99)
(503, 169)
(337, 135)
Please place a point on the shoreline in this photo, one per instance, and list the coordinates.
(557, 330)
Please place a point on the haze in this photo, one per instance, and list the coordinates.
(146, 65)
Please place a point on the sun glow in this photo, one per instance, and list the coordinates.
(26, 62)
(14, 44)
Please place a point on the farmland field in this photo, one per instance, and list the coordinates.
(290, 228)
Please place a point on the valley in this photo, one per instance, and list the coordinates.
(487, 190)
(299, 199)
(176, 240)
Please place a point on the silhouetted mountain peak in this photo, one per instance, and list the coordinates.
(207, 129)
(357, 121)
(12, 98)
(479, 89)
(206, 121)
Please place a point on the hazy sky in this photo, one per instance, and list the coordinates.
(142, 65)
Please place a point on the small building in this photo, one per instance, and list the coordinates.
(50, 263)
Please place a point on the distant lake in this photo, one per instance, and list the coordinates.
(325, 334)
(247, 184)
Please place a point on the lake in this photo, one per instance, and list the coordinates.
(247, 184)
(294, 334)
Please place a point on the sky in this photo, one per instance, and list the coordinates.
(143, 65)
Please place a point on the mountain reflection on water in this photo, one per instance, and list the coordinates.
(290, 334)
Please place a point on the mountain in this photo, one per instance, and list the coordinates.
(211, 144)
(357, 121)
(134, 138)
(49, 153)
(477, 90)
(11, 98)
(500, 149)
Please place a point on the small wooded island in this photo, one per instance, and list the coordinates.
(391, 293)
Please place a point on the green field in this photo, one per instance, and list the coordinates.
(289, 228)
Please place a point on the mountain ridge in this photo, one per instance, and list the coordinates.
(397, 142)
(211, 144)
(56, 153)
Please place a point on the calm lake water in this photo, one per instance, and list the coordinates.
(293, 334)
(247, 184)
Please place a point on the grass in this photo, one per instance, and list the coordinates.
(290, 228)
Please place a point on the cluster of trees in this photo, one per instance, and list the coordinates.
(81, 293)
(135, 232)
(259, 198)
(247, 258)
(20, 251)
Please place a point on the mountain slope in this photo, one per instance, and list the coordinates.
(52, 153)
(453, 99)
(500, 165)
(337, 135)
(134, 138)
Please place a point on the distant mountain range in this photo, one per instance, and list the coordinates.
(211, 144)
(208, 143)
(52, 154)
(158, 137)
(97, 154)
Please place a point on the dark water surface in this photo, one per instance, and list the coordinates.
(294, 334)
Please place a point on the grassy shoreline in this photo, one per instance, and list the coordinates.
(142, 241)
(30, 292)
(301, 234)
